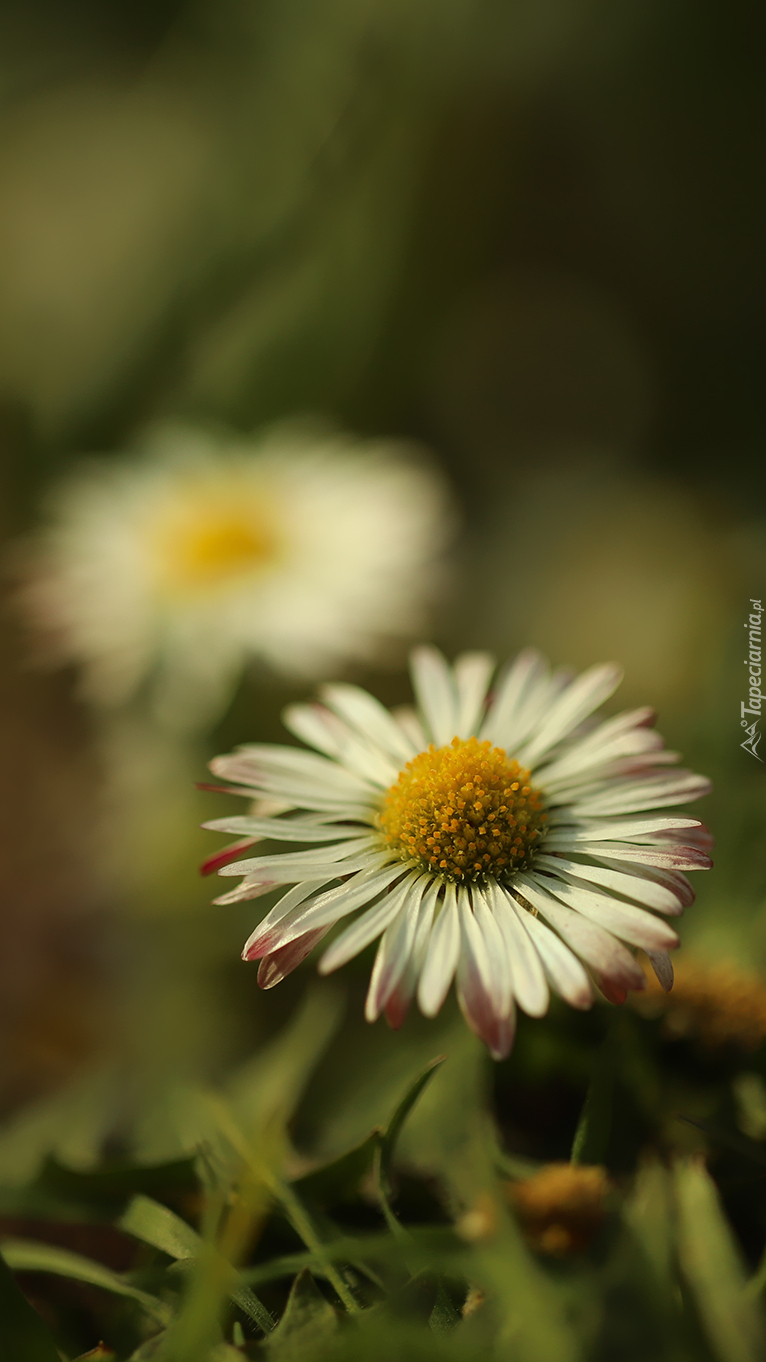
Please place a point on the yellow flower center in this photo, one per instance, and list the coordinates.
(210, 541)
(463, 812)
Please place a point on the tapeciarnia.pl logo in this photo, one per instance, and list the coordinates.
(752, 706)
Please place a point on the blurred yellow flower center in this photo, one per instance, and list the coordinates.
(463, 812)
(207, 544)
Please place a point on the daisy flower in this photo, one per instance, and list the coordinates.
(303, 549)
(498, 835)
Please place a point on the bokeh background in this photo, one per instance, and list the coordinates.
(527, 236)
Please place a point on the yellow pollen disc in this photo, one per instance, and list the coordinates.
(464, 812)
(212, 540)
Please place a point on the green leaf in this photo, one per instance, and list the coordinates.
(591, 1139)
(28, 1255)
(444, 1317)
(156, 1225)
(303, 1223)
(428, 1243)
(340, 1179)
(147, 1220)
(111, 1184)
(711, 1264)
(390, 1135)
(308, 1321)
(264, 1091)
(148, 1349)
(22, 1333)
(70, 1124)
(650, 1215)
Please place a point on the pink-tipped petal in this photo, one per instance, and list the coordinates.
(397, 1007)
(226, 855)
(275, 967)
(662, 965)
(614, 993)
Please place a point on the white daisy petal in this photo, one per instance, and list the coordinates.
(666, 857)
(395, 950)
(653, 792)
(434, 688)
(593, 829)
(284, 829)
(282, 914)
(675, 880)
(248, 889)
(326, 861)
(472, 676)
(501, 988)
(276, 966)
(516, 694)
(315, 725)
(406, 719)
(369, 925)
(592, 943)
(470, 857)
(297, 793)
(441, 959)
(527, 973)
(398, 1001)
(662, 965)
(370, 719)
(634, 925)
(330, 906)
(367, 760)
(606, 732)
(173, 565)
(475, 985)
(250, 765)
(650, 892)
(564, 971)
(585, 759)
(576, 702)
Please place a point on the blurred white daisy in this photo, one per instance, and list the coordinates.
(503, 837)
(302, 548)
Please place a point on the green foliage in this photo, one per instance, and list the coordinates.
(28, 1255)
(368, 1253)
(22, 1332)
(713, 1269)
(308, 1322)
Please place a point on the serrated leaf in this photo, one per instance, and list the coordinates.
(337, 1180)
(111, 1185)
(29, 1255)
(711, 1264)
(22, 1333)
(308, 1321)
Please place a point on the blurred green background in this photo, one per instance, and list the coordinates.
(528, 235)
